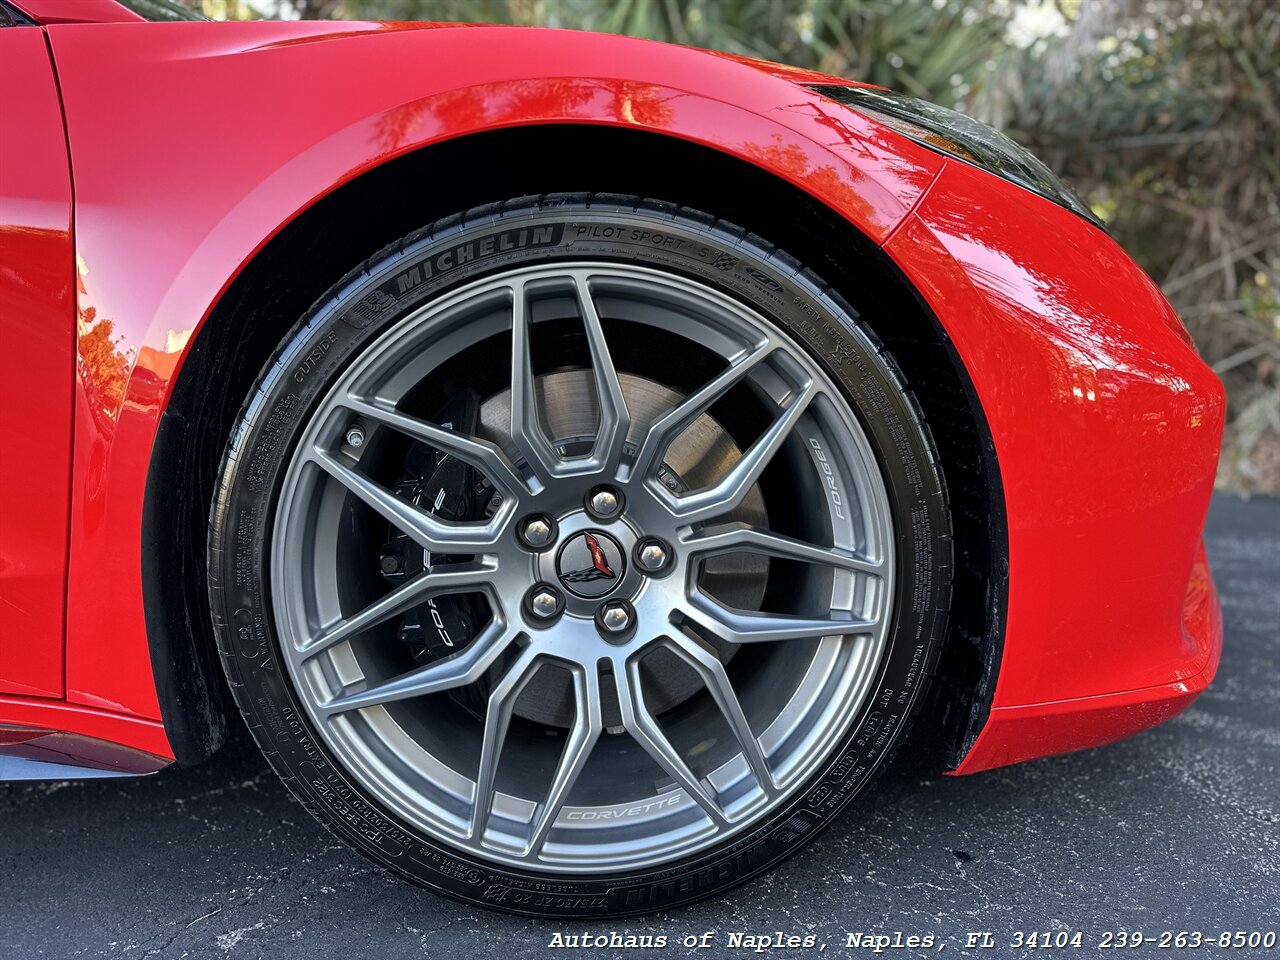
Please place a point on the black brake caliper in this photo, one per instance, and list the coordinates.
(444, 486)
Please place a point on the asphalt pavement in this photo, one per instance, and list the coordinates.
(1176, 829)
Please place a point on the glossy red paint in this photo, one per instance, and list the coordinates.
(794, 74)
(46, 716)
(1105, 423)
(1024, 732)
(1106, 427)
(37, 311)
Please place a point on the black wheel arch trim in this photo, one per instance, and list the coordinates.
(183, 657)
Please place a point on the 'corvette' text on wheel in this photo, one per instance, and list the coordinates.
(575, 561)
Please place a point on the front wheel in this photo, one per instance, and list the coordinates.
(579, 557)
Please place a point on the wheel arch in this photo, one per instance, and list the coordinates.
(297, 265)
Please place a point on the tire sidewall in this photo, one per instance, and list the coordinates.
(422, 268)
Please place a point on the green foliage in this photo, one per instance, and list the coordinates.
(933, 50)
(930, 49)
(1166, 115)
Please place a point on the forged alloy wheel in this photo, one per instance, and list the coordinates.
(672, 478)
(557, 566)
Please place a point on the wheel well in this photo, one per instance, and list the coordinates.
(355, 221)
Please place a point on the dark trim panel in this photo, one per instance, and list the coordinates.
(187, 678)
(965, 683)
(11, 16)
(30, 753)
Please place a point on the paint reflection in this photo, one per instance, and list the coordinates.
(503, 104)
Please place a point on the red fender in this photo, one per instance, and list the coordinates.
(193, 144)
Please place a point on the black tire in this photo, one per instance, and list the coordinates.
(374, 296)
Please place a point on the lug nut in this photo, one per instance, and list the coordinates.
(536, 532)
(652, 556)
(355, 436)
(544, 602)
(615, 617)
(604, 503)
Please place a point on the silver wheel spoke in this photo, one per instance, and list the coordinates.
(497, 719)
(708, 666)
(428, 532)
(675, 421)
(615, 419)
(735, 626)
(744, 539)
(587, 727)
(439, 580)
(731, 489)
(456, 671)
(526, 430)
(481, 454)
(644, 729)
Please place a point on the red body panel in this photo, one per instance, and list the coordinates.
(1106, 428)
(139, 733)
(37, 324)
(1105, 424)
(1022, 732)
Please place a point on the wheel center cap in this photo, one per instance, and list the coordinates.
(591, 564)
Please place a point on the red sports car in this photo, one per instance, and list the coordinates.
(575, 456)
